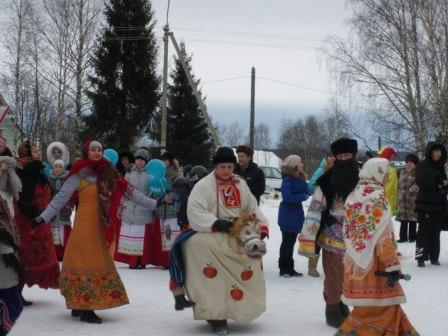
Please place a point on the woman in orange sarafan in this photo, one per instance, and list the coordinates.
(371, 266)
(89, 280)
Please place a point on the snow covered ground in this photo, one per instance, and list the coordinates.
(294, 307)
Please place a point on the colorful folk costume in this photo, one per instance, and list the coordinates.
(37, 253)
(89, 279)
(11, 304)
(371, 266)
(134, 246)
(323, 224)
(61, 225)
(391, 187)
(222, 281)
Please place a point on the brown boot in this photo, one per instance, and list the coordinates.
(333, 315)
(312, 267)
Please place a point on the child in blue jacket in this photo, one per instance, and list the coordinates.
(290, 214)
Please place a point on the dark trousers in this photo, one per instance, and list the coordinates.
(286, 262)
(412, 226)
(428, 236)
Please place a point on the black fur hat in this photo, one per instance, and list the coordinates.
(344, 145)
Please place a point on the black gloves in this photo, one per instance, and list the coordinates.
(222, 225)
(392, 278)
(38, 221)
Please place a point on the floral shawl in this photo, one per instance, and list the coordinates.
(368, 215)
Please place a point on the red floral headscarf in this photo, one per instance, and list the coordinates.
(24, 150)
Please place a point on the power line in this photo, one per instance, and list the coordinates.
(225, 79)
(252, 44)
(303, 87)
(238, 43)
(293, 85)
(251, 34)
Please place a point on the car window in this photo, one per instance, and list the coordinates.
(271, 172)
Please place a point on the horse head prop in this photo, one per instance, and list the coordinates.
(246, 229)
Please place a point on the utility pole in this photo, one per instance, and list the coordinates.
(252, 109)
(196, 92)
(163, 130)
(379, 143)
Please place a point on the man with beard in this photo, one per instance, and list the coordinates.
(324, 223)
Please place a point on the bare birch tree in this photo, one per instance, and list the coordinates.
(396, 60)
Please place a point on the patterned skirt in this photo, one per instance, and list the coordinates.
(377, 321)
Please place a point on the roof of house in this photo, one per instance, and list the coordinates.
(265, 158)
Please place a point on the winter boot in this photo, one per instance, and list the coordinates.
(89, 316)
(181, 302)
(284, 273)
(421, 263)
(294, 273)
(333, 315)
(312, 267)
(345, 311)
(76, 312)
(219, 327)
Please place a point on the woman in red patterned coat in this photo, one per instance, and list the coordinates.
(37, 252)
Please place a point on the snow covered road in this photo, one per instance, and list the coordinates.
(295, 306)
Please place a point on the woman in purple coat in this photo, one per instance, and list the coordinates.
(290, 214)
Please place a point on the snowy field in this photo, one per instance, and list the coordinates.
(294, 306)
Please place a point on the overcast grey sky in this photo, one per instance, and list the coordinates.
(278, 37)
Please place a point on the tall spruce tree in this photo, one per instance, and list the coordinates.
(125, 87)
(188, 136)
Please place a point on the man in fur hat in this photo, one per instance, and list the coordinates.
(324, 222)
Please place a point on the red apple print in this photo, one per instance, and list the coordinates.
(247, 274)
(236, 293)
(209, 271)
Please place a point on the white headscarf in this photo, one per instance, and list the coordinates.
(368, 215)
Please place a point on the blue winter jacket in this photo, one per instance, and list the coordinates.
(318, 173)
(290, 213)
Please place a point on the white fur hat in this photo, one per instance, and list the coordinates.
(63, 148)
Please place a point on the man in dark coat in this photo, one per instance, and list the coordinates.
(432, 182)
(249, 170)
(335, 185)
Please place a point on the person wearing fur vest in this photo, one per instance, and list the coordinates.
(407, 194)
(11, 305)
(290, 213)
(37, 252)
(133, 246)
(61, 224)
